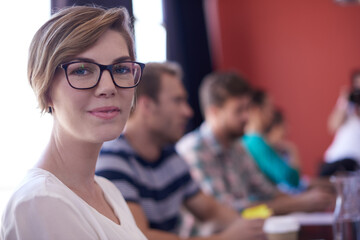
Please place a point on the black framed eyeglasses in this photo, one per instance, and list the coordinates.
(86, 74)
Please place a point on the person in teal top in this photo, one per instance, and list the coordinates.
(270, 162)
(273, 166)
(276, 136)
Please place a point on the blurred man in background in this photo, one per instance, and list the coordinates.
(153, 178)
(219, 161)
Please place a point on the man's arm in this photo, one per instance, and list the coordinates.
(154, 234)
(206, 209)
(338, 114)
(239, 229)
(313, 200)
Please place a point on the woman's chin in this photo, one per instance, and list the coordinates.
(111, 138)
(104, 137)
(108, 137)
(110, 133)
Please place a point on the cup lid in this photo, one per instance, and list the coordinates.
(281, 224)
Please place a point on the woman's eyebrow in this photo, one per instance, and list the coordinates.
(81, 59)
(120, 59)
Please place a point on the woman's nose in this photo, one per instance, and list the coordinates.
(106, 86)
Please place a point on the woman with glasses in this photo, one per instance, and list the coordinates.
(82, 70)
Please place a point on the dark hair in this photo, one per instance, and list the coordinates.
(277, 119)
(258, 97)
(151, 78)
(355, 73)
(218, 87)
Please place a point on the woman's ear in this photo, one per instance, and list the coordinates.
(49, 104)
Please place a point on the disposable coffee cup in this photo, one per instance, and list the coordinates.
(281, 228)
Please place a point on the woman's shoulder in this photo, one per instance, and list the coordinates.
(43, 202)
(38, 183)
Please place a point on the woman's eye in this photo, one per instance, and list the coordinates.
(121, 69)
(80, 71)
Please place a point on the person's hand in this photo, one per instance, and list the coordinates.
(343, 98)
(338, 114)
(344, 93)
(322, 183)
(291, 149)
(317, 200)
(243, 229)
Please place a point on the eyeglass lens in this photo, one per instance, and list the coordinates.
(86, 74)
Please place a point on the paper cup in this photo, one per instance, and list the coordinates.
(282, 228)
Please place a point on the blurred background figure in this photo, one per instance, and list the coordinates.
(272, 164)
(344, 152)
(221, 164)
(153, 178)
(276, 136)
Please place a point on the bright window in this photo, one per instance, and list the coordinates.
(150, 34)
(23, 131)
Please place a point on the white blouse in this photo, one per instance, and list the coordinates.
(45, 208)
(346, 141)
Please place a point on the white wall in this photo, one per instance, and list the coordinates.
(23, 132)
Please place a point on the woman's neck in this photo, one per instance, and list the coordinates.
(71, 160)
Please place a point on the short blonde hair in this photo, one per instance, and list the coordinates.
(70, 32)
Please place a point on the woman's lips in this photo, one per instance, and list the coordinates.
(105, 112)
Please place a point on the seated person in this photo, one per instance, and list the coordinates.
(344, 153)
(219, 161)
(154, 179)
(275, 135)
(267, 159)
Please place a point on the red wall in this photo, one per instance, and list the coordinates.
(300, 51)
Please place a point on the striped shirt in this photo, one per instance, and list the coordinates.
(159, 187)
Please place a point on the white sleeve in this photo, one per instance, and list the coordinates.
(47, 217)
